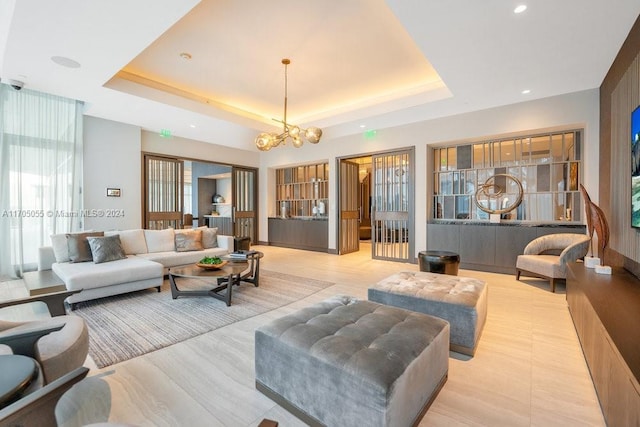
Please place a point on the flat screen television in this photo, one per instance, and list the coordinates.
(635, 168)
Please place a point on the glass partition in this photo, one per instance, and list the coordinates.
(548, 166)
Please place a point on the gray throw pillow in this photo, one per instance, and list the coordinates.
(188, 240)
(78, 246)
(105, 249)
(209, 237)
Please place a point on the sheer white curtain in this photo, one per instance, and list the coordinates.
(40, 174)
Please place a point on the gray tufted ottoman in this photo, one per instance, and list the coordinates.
(345, 362)
(462, 301)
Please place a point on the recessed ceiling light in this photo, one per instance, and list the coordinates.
(192, 126)
(65, 62)
(362, 126)
(519, 9)
(185, 55)
(526, 91)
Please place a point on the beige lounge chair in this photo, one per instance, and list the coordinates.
(547, 256)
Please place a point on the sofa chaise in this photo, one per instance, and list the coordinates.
(144, 258)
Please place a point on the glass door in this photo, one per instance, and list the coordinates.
(392, 206)
(244, 199)
(163, 189)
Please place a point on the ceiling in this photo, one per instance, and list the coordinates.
(355, 64)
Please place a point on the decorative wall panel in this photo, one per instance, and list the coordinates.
(624, 99)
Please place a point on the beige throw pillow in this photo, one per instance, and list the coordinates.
(209, 237)
(188, 240)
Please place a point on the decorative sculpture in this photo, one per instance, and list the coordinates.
(492, 191)
(596, 223)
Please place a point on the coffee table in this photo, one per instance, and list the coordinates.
(222, 280)
(252, 275)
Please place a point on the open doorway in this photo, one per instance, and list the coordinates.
(181, 192)
(379, 200)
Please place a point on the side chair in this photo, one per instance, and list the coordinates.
(59, 344)
(547, 256)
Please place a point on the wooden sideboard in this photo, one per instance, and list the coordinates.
(487, 246)
(306, 234)
(606, 313)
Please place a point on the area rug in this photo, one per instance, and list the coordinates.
(130, 325)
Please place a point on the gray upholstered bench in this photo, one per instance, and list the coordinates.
(345, 362)
(462, 301)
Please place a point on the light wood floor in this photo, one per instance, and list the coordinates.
(528, 370)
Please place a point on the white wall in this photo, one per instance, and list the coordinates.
(580, 109)
(111, 160)
(196, 150)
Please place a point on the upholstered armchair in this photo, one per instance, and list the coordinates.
(547, 256)
(59, 344)
(39, 407)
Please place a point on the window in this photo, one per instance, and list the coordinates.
(40, 174)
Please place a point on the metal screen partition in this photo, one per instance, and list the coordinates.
(163, 193)
(392, 219)
(244, 203)
(349, 207)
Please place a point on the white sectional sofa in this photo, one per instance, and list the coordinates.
(147, 256)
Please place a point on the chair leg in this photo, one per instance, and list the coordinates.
(518, 274)
(552, 282)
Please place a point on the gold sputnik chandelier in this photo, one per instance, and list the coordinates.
(267, 140)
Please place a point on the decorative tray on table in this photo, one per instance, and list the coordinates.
(211, 263)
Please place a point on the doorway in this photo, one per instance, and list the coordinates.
(384, 205)
(182, 192)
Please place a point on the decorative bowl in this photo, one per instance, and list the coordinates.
(212, 266)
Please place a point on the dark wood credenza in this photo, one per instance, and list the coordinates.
(606, 313)
(487, 246)
(306, 234)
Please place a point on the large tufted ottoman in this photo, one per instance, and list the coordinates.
(345, 362)
(462, 301)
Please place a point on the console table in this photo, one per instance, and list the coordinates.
(487, 246)
(606, 313)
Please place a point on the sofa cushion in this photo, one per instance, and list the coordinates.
(89, 275)
(546, 265)
(59, 245)
(188, 240)
(160, 240)
(173, 259)
(106, 249)
(133, 241)
(79, 249)
(209, 237)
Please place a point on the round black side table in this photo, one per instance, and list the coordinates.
(442, 262)
(17, 373)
